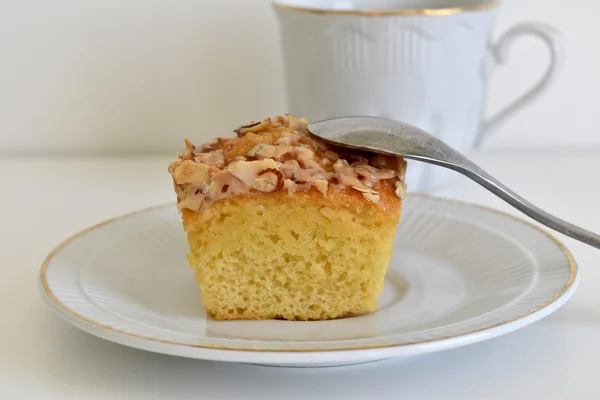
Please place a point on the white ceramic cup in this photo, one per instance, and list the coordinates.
(424, 62)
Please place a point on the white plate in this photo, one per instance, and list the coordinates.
(460, 274)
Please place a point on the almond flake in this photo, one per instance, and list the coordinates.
(262, 150)
(290, 185)
(400, 190)
(215, 158)
(321, 185)
(191, 172)
(373, 198)
(281, 149)
(364, 189)
(248, 171)
(266, 182)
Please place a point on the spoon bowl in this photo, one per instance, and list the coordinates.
(384, 136)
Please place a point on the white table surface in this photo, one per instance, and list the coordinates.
(48, 199)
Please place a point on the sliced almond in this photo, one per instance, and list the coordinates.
(297, 124)
(290, 185)
(173, 166)
(192, 172)
(266, 152)
(366, 171)
(289, 168)
(400, 189)
(262, 150)
(253, 127)
(223, 184)
(304, 152)
(281, 149)
(187, 156)
(191, 203)
(303, 175)
(363, 189)
(386, 174)
(181, 194)
(189, 146)
(257, 147)
(279, 121)
(402, 176)
(321, 185)
(266, 183)
(373, 198)
(372, 173)
(226, 143)
(349, 180)
(212, 145)
(382, 161)
(214, 158)
(278, 177)
(285, 138)
(306, 158)
(341, 166)
(249, 171)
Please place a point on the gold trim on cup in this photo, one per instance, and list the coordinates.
(52, 297)
(432, 12)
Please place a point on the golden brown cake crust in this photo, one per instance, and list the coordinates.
(279, 156)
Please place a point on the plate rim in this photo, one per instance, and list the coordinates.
(80, 319)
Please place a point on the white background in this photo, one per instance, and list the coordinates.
(139, 75)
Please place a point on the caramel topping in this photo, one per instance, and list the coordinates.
(275, 155)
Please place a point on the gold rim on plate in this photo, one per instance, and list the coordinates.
(57, 302)
(432, 12)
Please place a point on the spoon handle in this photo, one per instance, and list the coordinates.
(493, 185)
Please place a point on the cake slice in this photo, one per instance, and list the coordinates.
(282, 225)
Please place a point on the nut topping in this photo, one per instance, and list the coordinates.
(190, 172)
(215, 159)
(400, 189)
(274, 155)
(262, 150)
(372, 197)
(281, 149)
(248, 171)
(251, 127)
(321, 185)
(273, 176)
(266, 183)
(290, 186)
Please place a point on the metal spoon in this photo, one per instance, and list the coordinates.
(390, 137)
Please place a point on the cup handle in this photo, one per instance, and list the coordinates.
(499, 52)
